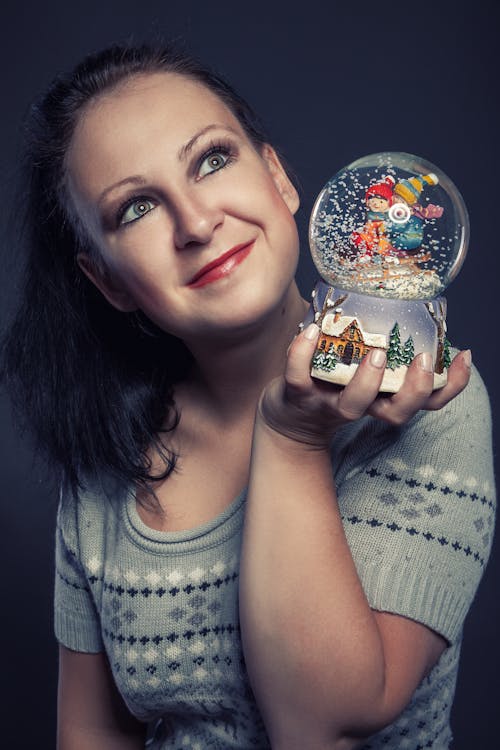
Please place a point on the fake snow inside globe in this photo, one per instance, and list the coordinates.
(387, 235)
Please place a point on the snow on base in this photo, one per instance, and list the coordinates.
(391, 383)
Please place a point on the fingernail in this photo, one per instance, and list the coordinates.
(377, 358)
(467, 358)
(311, 332)
(425, 362)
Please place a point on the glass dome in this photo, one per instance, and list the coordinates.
(389, 225)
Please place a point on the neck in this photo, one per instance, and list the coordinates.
(231, 372)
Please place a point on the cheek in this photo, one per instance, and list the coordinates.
(273, 206)
(140, 254)
(282, 220)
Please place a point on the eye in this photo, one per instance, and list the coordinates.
(213, 161)
(136, 210)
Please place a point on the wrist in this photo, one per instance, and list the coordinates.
(290, 435)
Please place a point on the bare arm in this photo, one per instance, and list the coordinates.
(91, 713)
(325, 668)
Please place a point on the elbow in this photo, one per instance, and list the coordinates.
(373, 702)
(332, 719)
(374, 712)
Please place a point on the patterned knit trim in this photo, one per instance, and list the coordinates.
(159, 592)
(412, 531)
(391, 741)
(71, 583)
(430, 486)
(187, 635)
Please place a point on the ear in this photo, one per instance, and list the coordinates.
(280, 177)
(109, 287)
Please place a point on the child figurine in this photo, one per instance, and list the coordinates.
(372, 237)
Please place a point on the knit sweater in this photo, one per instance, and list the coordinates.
(418, 506)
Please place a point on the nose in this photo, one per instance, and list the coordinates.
(196, 219)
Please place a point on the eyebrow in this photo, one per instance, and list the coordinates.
(182, 155)
(132, 180)
(184, 151)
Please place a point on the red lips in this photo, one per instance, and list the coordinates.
(221, 266)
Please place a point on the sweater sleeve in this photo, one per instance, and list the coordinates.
(76, 621)
(418, 508)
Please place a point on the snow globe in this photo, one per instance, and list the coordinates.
(387, 234)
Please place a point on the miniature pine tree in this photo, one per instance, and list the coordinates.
(394, 354)
(408, 351)
(318, 360)
(446, 354)
(330, 359)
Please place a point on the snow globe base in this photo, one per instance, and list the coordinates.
(352, 324)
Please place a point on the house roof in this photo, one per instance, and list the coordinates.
(332, 328)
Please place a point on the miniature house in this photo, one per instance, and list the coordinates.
(344, 336)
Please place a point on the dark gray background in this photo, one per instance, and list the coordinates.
(332, 81)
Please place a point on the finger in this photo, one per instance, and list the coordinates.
(360, 392)
(300, 353)
(457, 378)
(412, 396)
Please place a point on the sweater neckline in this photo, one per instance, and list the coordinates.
(215, 531)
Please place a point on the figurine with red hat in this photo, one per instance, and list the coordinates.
(371, 238)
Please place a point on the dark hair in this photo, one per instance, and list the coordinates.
(94, 385)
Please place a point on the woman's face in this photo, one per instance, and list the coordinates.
(192, 224)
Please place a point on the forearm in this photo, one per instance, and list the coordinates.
(79, 738)
(324, 667)
(91, 714)
(312, 646)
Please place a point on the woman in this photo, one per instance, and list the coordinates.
(155, 358)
